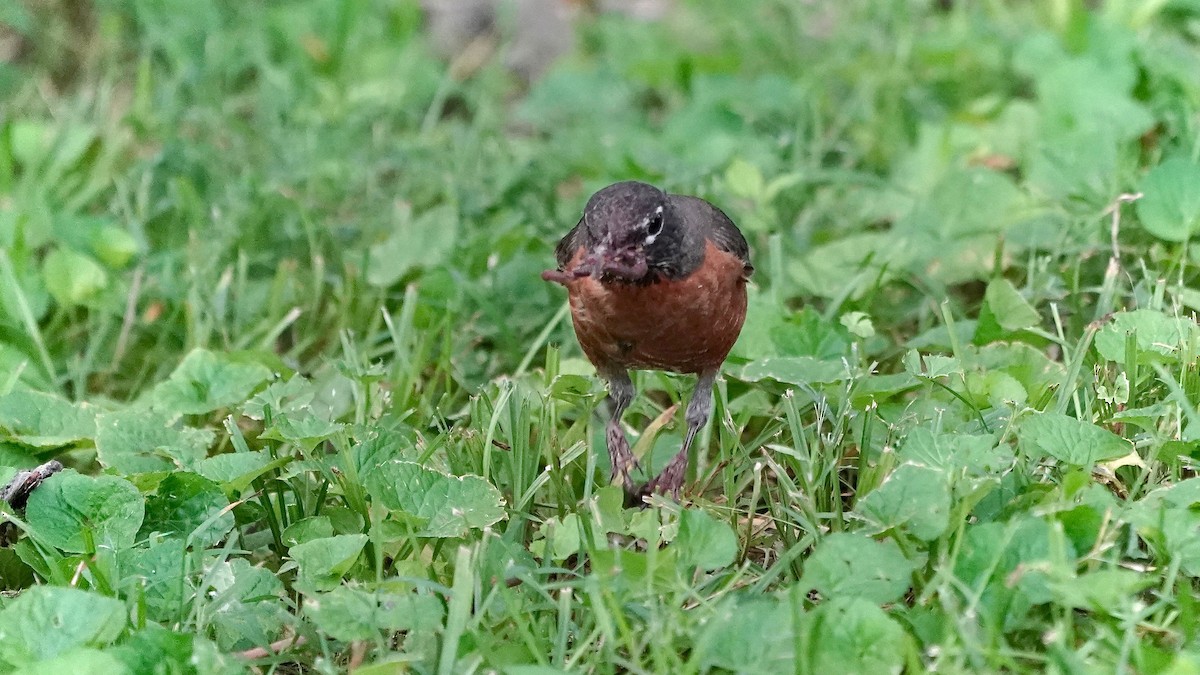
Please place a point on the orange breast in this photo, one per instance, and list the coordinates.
(686, 326)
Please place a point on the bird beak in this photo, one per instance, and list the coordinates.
(628, 263)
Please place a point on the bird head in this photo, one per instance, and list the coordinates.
(633, 228)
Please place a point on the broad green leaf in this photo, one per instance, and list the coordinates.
(941, 338)
(281, 396)
(853, 565)
(239, 580)
(190, 507)
(448, 505)
(1156, 335)
(859, 324)
(571, 388)
(78, 661)
(238, 468)
(972, 455)
(1174, 534)
(155, 649)
(1170, 206)
(763, 316)
(246, 604)
(14, 573)
(872, 390)
(912, 497)
(649, 524)
(1010, 309)
(45, 421)
(323, 562)
(964, 202)
(346, 520)
(113, 245)
(1085, 524)
(931, 365)
(1069, 440)
(1033, 371)
(559, 539)
(502, 559)
(591, 96)
(47, 621)
(635, 572)
(206, 381)
(855, 261)
(138, 440)
(852, 635)
(350, 614)
(302, 428)
(1185, 493)
(745, 180)
(703, 541)
(20, 365)
(79, 513)
(72, 277)
(424, 241)
(307, 529)
(1084, 95)
(380, 448)
(807, 333)
(748, 634)
(994, 389)
(608, 509)
(1013, 564)
(1169, 521)
(797, 370)
(1110, 590)
(160, 569)
(43, 144)
(1077, 165)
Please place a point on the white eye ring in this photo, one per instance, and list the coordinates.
(654, 228)
(654, 225)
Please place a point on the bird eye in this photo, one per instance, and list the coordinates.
(655, 226)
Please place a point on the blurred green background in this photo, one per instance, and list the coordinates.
(269, 174)
(959, 431)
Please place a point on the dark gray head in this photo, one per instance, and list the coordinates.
(635, 229)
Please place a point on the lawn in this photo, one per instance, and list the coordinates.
(270, 291)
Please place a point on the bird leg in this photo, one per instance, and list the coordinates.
(670, 479)
(620, 393)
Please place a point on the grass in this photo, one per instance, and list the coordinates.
(269, 288)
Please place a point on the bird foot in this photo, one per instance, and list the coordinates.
(669, 482)
(622, 460)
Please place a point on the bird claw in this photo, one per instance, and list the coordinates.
(669, 482)
(622, 460)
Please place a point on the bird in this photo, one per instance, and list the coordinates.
(655, 281)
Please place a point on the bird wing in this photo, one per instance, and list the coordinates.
(719, 229)
(568, 245)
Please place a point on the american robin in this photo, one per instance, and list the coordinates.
(656, 281)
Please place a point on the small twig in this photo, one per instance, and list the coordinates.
(17, 491)
(358, 651)
(79, 568)
(1115, 210)
(275, 647)
(135, 290)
